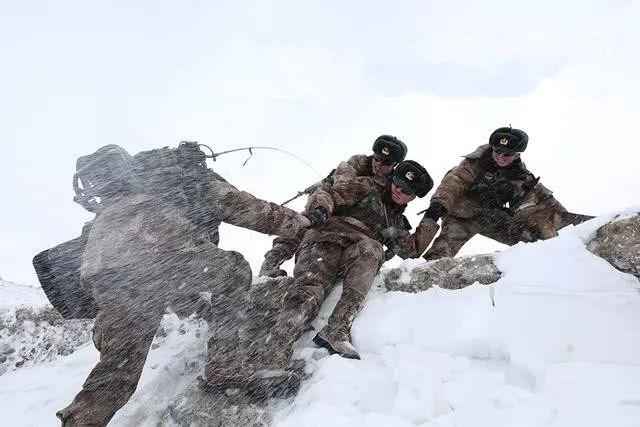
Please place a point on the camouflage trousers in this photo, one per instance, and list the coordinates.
(131, 305)
(323, 257)
(458, 231)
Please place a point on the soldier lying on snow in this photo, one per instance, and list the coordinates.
(153, 244)
(492, 193)
(387, 152)
(353, 220)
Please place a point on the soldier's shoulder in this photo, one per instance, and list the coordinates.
(358, 158)
(361, 163)
(478, 152)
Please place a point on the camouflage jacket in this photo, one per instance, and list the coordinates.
(477, 184)
(358, 165)
(362, 206)
(141, 230)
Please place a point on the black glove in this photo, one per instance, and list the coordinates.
(435, 211)
(505, 191)
(389, 253)
(392, 233)
(318, 216)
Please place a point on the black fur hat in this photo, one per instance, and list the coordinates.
(509, 140)
(390, 148)
(413, 178)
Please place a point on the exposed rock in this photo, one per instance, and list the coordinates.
(447, 273)
(30, 335)
(619, 243)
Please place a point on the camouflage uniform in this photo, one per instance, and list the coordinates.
(144, 253)
(283, 248)
(467, 192)
(349, 246)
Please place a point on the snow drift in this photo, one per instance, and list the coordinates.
(553, 342)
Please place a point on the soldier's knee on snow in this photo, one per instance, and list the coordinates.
(371, 248)
(304, 293)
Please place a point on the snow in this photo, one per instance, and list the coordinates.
(13, 295)
(560, 347)
(31, 396)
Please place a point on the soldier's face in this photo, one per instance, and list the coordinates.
(380, 168)
(504, 159)
(400, 197)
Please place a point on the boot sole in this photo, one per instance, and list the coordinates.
(321, 342)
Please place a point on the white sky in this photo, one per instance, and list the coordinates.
(321, 79)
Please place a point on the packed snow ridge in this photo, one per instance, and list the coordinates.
(554, 342)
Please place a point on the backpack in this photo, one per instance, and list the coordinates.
(178, 176)
(101, 175)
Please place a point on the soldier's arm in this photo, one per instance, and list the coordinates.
(342, 175)
(343, 192)
(455, 183)
(358, 165)
(245, 210)
(414, 245)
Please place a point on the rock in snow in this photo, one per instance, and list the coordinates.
(446, 273)
(619, 243)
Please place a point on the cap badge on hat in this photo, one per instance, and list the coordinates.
(504, 141)
(410, 175)
(385, 151)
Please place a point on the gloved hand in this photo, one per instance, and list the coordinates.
(435, 211)
(389, 253)
(505, 192)
(318, 216)
(390, 236)
(392, 233)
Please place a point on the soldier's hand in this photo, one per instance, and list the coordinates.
(318, 216)
(304, 222)
(435, 211)
(389, 253)
(392, 233)
(505, 191)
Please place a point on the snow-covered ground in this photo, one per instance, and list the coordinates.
(560, 347)
(13, 295)
(555, 342)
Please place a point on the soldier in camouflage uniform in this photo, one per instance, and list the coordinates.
(149, 249)
(492, 193)
(387, 152)
(353, 220)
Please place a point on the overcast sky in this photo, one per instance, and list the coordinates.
(320, 79)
